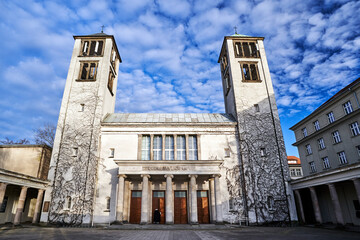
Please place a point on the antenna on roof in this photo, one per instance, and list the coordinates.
(235, 28)
(102, 29)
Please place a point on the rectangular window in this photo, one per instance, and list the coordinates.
(326, 162)
(180, 148)
(257, 108)
(169, 148)
(82, 107)
(331, 117)
(75, 152)
(304, 132)
(224, 63)
(298, 172)
(316, 125)
(250, 71)
(342, 157)
(92, 48)
(112, 152)
(308, 149)
(262, 152)
(88, 70)
(145, 148)
(111, 81)
(193, 148)
(246, 49)
(157, 147)
(113, 58)
(321, 143)
(336, 136)
(312, 167)
(354, 127)
(347, 107)
(227, 83)
(292, 172)
(136, 194)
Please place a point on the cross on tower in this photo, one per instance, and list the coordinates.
(235, 28)
(102, 29)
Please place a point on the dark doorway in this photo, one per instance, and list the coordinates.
(158, 202)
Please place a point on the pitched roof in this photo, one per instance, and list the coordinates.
(192, 118)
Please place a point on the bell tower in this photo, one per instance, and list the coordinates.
(89, 94)
(249, 97)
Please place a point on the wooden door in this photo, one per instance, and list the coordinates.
(158, 202)
(135, 207)
(203, 207)
(180, 207)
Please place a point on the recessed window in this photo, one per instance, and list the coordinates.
(157, 147)
(257, 108)
(312, 167)
(342, 157)
(326, 162)
(111, 81)
(68, 202)
(304, 132)
(88, 70)
(82, 107)
(292, 172)
(231, 204)
(316, 125)
(108, 201)
(113, 58)
(354, 127)
(250, 71)
(75, 152)
(112, 152)
(145, 148)
(262, 152)
(347, 107)
(169, 148)
(224, 63)
(271, 203)
(192, 148)
(308, 149)
(336, 136)
(227, 152)
(181, 147)
(331, 117)
(92, 48)
(321, 143)
(246, 49)
(227, 83)
(298, 172)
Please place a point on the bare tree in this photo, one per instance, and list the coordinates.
(8, 141)
(45, 134)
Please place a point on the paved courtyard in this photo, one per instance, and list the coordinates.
(247, 233)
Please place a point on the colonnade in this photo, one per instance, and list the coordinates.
(215, 198)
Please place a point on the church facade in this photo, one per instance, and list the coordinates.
(111, 167)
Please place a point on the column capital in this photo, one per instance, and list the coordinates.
(193, 175)
(145, 175)
(168, 175)
(216, 175)
(3, 184)
(24, 187)
(122, 175)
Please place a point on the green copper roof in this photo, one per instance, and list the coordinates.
(239, 35)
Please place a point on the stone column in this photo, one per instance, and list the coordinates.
(336, 204)
(194, 214)
(2, 192)
(20, 206)
(120, 199)
(38, 206)
(145, 199)
(169, 200)
(219, 215)
(212, 200)
(298, 198)
(356, 182)
(315, 203)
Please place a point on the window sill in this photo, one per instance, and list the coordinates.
(90, 55)
(85, 80)
(355, 135)
(320, 149)
(107, 210)
(252, 81)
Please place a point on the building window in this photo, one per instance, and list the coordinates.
(224, 63)
(342, 157)
(271, 203)
(298, 172)
(112, 152)
(157, 147)
(308, 149)
(331, 117)
(304, 132)
(246, 49)
(108, 200)
(312, 167)
(227, 152)
(250, 71)
(347, 107)
(354, 127)
(92, 48)
(88, 70)
(321, 143)
(292, 172)
(192, 148)
(111, 81)
(231, 204)
(336, 136)
(75, 152)
(358, 150)
(316, 125)
(262, 152)
(68, 203)
(82, 107)
(113, 58)
(181, 147)
(145, 148)
(257, 108)
(227, 83)
(169, 148)
(326, 162)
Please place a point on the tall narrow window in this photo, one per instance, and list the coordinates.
(227, 83)
(193, 148)
(180, 148)
(68, 202)
(262, 152)
(169, 148)
(246, 49)
(111, 81)
(92, 48)
(112, 152)
(336, 136)
(157, 147)
(304, 132)
(316, 125)
(354, 127)
(257, 108)
(321, 143)
(88, 70)
(308, 149)
(348, 107)
(312, 167)
(271, 202)
(326, 162)
(331, 117)
(108, 201)
(358, 150)
(342, 157)
(145, 148)
(250, 72)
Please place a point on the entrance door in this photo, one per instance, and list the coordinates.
(135, 207)
(203, 207)
(180, 207)
(158, 202)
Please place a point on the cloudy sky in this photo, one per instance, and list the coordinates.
(170, 51)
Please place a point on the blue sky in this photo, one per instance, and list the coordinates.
(170, 51)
